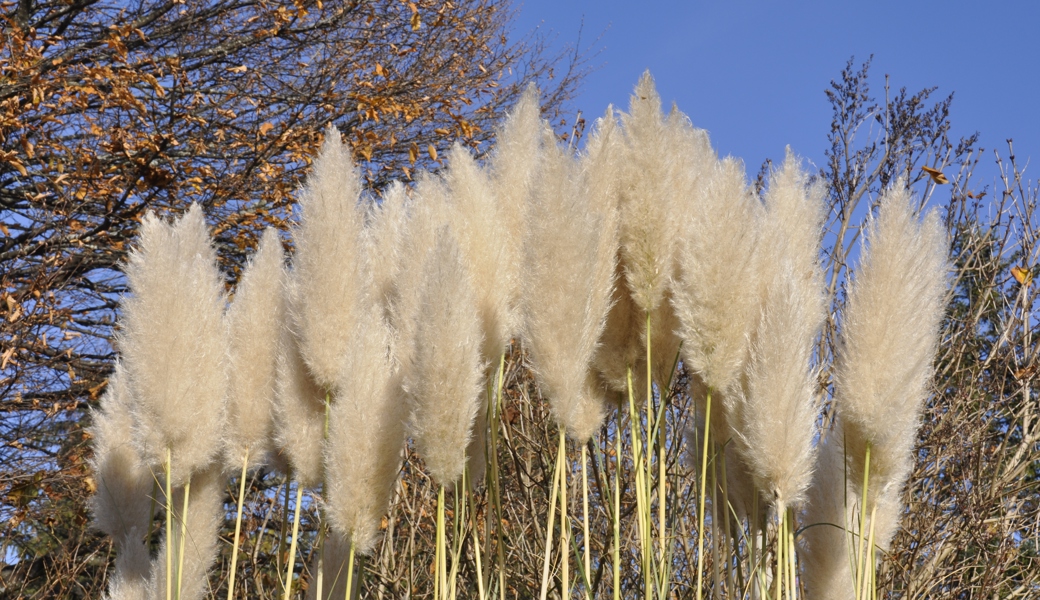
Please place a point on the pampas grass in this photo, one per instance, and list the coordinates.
(173, 345)
(716, 295)
(298, 409)
(444, 377)
(889, 336)
(568, 280)
(649, 221)
(328, 266)
(123, 504)
(779, 406)
(254, 324)
(366, 435)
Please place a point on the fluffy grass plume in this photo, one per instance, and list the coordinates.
(716, 295)
(779, 407)
(568, 280)
(385, 228)
(327, 263)
(202, 544)
(889, 336)
(445, 376)
(429, 213)
(514, 168)
(827, 550)
(481, 229)
(298, 409)
(366, 435)
(254, 325)
(649, 221)
(122, 503)
(173, 344)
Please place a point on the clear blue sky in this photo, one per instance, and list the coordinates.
(753, 73)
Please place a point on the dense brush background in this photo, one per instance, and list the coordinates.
(72, 193)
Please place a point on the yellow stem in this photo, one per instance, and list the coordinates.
(184, 535)
(585, 517)
(862, 524)
(168, 468)
(617, 509)
(238, 526)
(549, 525)
(350, 573)
(565, 530)
(292, 545)
(701, 500)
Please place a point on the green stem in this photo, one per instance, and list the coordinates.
(168, 468)
(350, 573)
(184, 536)
(642, 510)
(565, 530)
(617, 509)
(585, 518)
(701, 501)
(292, 545)
(862, 524)
(440, 577)
(238, 526)
(496, 491)
(549, 524)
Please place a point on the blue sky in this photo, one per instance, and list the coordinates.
(754, 73)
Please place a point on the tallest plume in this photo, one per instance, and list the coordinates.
(328, 271)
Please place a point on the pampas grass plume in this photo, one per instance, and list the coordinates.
(716, 296)
(327, 263)
(481, 229)
(384, 234)
(567, 281)
(173, 344)
(254, 325)
(366, 435)
(889, 336)
(649, 221)
(779, 408)
(298, 409)
(445, 374)
(121, 505)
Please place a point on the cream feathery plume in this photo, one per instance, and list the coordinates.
(827, 550)
(255, 320)
(889, 337)
(384, 234)
(173, 344)
(482, 233)
(298, 409)
(514, 167)
(445, 374)
(779, 406)
(202, 544)
(429, 212)
(366, 435)
(716, 296)
(620, 345)
(568, 280)
(328, 261)
(650, 175)
(122, 503)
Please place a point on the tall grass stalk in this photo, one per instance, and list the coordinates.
(586, 559)
(565, 525)
(181, 543)
(642, 504)
(238, 527)
(496, 494)
(860, 565)
(292, 545)
(167, 468)
(439, 577)
(701, 496)
(617, 509)
(557, 469)
(350, 571)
